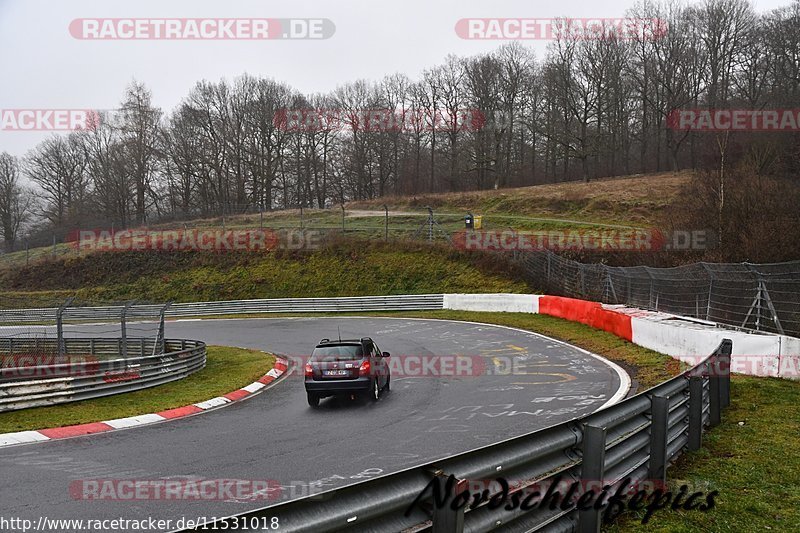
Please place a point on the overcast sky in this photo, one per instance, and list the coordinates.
(43, 67)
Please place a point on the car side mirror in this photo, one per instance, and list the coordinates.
(385, 354)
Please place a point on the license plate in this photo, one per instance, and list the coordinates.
(334, 372)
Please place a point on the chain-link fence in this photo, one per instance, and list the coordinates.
(40, 328)
(762, 297)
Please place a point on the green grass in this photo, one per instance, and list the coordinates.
(755, 466)
(343, 268)
(227, 369)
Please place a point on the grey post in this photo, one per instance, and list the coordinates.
(714, 396)
(343, 213)
(386, 223)
(60, 326)
(725, 372)
(592, 469)
(659, 431)
(124, 330)
(160, 343)
(695, 412)
(446, 520)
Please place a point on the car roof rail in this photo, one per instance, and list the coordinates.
(323, 341)
(366, 339)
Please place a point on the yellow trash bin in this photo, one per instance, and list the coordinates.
(478, 219)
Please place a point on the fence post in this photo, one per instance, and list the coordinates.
(710, 291)
(445, 519)
(62, 348)
(592, 470)
(695, 413)
(652, 289)
(659, 431)
(386, 223)
(160, 340)
(343, 230)
(124, 329)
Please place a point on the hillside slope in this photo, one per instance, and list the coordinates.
(342, 268)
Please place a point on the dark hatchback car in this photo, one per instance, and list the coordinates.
(346, 368)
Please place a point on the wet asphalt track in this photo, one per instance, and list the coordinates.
(276, 436)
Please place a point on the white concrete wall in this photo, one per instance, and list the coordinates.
(685, 339)
(508, 303)
(753, 353)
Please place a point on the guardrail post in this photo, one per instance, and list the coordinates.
(445, 519)
(695, 412)
(714, 398)
(592, 470)
(659, 431)
(724, 366)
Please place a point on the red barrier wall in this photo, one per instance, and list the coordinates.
(589, 313)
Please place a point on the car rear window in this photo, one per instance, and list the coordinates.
(338, 353)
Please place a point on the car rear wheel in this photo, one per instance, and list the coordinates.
(388, 381)
(313, 399)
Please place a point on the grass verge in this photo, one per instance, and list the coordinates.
(227, 369)
(751, 459)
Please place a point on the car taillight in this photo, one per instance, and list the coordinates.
(363, 370)
(309, 370)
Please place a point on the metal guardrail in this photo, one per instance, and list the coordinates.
(276, 305)
(637, 438)
(89, 368)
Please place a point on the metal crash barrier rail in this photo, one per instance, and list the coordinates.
(636, 439)
(39, 372)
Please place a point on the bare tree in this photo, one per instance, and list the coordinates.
(16, 201)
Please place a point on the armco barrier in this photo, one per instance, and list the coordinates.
(755, 353)
(635, 439)
(94, 369)
(276, 305)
